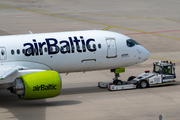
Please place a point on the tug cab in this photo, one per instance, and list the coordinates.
(166, 70)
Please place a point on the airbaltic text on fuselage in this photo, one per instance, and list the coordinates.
(52, 46)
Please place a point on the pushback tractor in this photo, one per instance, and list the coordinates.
(163, 73)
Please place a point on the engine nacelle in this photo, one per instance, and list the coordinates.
(37, 85)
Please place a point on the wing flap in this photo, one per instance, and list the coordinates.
(6, 71)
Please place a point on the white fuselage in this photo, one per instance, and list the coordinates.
(93, 50)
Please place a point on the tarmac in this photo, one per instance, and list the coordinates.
(154, 24)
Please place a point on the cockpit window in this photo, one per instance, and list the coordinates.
(131, 43)
(135, 42)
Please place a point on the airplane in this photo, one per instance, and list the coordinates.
(30, 64)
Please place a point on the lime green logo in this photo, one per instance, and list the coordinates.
(44, 87)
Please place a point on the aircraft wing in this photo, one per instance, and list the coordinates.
(5, 71)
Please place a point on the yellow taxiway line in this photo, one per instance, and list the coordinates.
(88, 21)
(164, 59)
(108, 28)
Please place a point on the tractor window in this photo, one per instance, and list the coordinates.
(158, 69)
(167, 70)
(173, 72)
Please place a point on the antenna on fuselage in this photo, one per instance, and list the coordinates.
(30, 32)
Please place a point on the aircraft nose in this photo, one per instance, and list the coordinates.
(144, 54)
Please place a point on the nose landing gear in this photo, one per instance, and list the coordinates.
(117, 72)
(116, 81)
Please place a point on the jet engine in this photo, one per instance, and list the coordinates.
(38, 85)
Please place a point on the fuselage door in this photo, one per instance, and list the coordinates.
(111, 48)
(3, 55)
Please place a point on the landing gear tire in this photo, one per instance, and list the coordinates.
(143, 84)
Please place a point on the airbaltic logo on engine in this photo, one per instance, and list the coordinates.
(51, 46)
(44, 87)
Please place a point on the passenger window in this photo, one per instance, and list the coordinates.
(29, 50)
(94, 46)
(67, 48)
(73, 47)
(18, 51)
(40, 50)
(57, 48)
(23, 51)
(99, 45)
(83, 46)
(89, 47)
(51, 49)
(34, 50)
(78, 47)
(62, 48)
(45, 49)
(12, 52)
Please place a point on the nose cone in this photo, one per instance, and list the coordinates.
(144, 54)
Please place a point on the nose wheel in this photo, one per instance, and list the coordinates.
(116, 81)
(116, 76)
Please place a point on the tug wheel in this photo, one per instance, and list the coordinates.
(143, 84)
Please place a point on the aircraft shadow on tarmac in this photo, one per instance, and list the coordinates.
(91, 89)
(28, 109)
(79, 90)
(36, 109)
